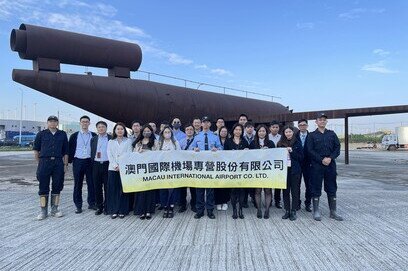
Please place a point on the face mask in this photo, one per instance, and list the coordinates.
(167, 136)
(147, 134)
(176, 126)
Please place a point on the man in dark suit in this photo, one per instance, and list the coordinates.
(99, 156)
(80, 157)
(302, 136)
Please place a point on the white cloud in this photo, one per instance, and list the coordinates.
(202, 66)
(176, 59)
(219, 71)
(305, 25)
(378, 67)
(380, 52)
(357, 12)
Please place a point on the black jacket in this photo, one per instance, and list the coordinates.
(306, 158)
(72, 144)
(269, 144)
(230, 144)
(321, 145)
(296, 157)
(94, 145)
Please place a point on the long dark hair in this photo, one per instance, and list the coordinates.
(114, 135)
(219, 133)
(152, 138)
(233, 129)
(266, 139)
(284, 142)
(161, 138)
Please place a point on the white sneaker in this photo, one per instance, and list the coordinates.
(219, 207)
(224, 207)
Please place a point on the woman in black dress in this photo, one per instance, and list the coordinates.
(145, 201)
(262, 141)
(295, 157)
(237, 142)
(222, 195)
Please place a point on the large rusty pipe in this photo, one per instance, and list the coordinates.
(33, 42)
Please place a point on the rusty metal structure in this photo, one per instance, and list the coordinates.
(117, 97)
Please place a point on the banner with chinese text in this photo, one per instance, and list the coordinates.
(264, 168)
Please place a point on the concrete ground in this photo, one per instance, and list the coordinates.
(372, 197)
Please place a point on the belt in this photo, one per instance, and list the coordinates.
(101, 162)
(51, 157)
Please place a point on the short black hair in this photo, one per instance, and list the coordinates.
(165, 122)
(221, 118)
(84, 117)
(274, 122)
(101, 122)
(249, 124)
(243, 115)
(302, 120)
(135, 121)
(188, 125)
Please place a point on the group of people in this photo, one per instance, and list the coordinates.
(95, 157)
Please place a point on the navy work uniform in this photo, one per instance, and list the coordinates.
(52, 148)
(321, 145)
(303, 138)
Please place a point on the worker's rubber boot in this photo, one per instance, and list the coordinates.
(44, 207)
(332, 206)
(316, 212)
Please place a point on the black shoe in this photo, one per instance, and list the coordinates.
(182, 209)
(148, 216)
(142, 217)
(210, 214)
(293, 215)
(259, 213)
(278, 205)
(198, 215)
(78, 210)
(170, 213)
(92, 207)
(234, 213)
(194, 209)
(166, 213)
(240, 213)
(114, 216)
(286, 215)
(298, 208)
(266, 214)
(308, 208)
(121, 216)
(98, 212)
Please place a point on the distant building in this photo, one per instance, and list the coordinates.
(10, 128)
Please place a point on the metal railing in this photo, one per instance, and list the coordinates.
(199, 84)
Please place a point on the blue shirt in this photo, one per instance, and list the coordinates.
(83, 146)
(51, 145)
(213, 141)
(179, 135)
(183, 143)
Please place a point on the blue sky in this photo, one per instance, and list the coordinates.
(313, 54)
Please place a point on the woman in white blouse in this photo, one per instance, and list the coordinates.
(167, 142)
(117, 202)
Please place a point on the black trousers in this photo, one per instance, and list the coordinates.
(306, 170)
(222, 195)
(82, 168)
(50, 168)
(183, 196)
(277, 195)
(292, 189)
(100, 179)
(237, 196)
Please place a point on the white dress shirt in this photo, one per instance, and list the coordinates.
(275, 138)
